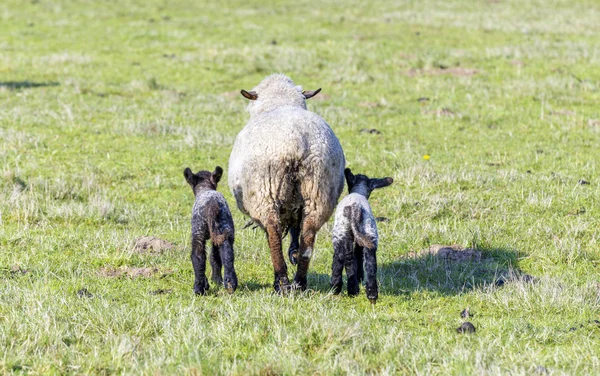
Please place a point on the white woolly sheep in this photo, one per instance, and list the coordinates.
(355, 236)
(286, 171)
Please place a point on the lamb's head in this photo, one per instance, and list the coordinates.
(275, 91)
(203, 180)
(363, 185)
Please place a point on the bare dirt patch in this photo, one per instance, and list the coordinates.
(132, 272)
(150, 244)
(451, 253)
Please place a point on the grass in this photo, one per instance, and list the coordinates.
(103, 104)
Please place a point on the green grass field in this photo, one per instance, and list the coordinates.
(489, 121)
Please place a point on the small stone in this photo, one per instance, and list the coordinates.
(583, 182)
(541, 370)
(466, 327)
(84, 293)
(465, 313)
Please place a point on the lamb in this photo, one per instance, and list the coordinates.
(211, 219)
(355, 236)
(286, 171)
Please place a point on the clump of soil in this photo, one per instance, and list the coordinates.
(466, 327)
(131, 272)
(150, 244)
(451, 253)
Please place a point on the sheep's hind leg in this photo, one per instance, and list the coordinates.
(307, 242)
(371, 274)
(227, 256)
(358, 256)
(294, 245)
(337, 266)
(216, 264)
(281, 282)
(199, 263)
(351, 265)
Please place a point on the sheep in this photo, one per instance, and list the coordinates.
(355, 236)
(286, 171)
(211, 219)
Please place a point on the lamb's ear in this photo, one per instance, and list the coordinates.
(349, 177)
(189, 176)
(310, 93)
(250, 95)
(380, 183)
(216, 175)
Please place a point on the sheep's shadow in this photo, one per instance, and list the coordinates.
(17, 85)
(450, 273)
(444, 273)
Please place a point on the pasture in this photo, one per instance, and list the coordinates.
(484, 112)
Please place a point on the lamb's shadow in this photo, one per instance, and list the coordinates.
(449, 273)
(17, 85)
(444, 273)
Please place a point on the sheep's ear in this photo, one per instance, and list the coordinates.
(349, 177)
(310, 93)
(216, 175)
(250, 95)
(189, 176)
(380, 183)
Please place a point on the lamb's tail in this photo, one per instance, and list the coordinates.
(216, 235)
(354, 215)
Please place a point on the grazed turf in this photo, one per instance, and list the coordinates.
(489, 123)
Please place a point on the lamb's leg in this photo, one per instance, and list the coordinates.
(281, 282)
(199, 263)
(337, 267)
(216, 264)
(307, 242)
(350, 263)
(358, 256)
(227, 255)
(371, 274)
(294, 244)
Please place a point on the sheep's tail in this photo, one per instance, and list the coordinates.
(217, 236)
(354, 215)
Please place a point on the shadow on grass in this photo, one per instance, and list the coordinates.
(447, 276)
(17, 85)
(444, 275)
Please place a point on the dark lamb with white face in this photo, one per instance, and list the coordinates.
(211, 219)
(355, 238)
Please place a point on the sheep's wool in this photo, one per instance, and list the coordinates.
(286, 159)
(342, 230)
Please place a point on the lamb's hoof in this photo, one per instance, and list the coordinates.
(230, 285)
(200, 288)
(217, 280)
(372, 296)
(337, 288)
(300, 283)
(353, 288)
(294, 254)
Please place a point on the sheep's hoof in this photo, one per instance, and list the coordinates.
(282, 285)
(201, 287)
(300, 283)
(373, 301)
(293, 254)
(336, 288)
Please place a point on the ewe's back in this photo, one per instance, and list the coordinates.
(286, 159)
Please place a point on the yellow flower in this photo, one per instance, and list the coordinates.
(426, 157)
